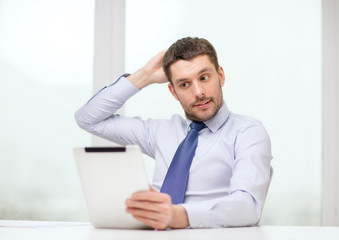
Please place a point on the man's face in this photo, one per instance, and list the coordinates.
(197, 85)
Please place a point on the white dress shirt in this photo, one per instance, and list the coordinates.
(229, 174)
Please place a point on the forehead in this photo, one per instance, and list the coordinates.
(185, 69)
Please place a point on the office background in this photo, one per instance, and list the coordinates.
(272, 53)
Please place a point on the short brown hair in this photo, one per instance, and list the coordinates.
(187, 49)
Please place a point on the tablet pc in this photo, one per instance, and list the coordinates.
(109, 176)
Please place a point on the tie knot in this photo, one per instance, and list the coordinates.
(197, 126)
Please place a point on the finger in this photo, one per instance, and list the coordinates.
(155, 220)
(150, 215)
(143, 205)
(161, 54)
(163, 208)
(152, 223)
(151, 196)
(137, 212)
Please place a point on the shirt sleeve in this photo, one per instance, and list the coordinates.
(248, 188)
(98, 116)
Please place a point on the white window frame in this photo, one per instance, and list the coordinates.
(330, 186)
(109, 48)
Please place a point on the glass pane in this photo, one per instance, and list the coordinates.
(271, 53)
(46, 51)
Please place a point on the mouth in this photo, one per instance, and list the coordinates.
(202, 104)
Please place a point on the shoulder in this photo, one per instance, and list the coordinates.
(250, 136)
(175, 121)
(243, 121)
(246, 125)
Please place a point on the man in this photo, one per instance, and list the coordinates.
(230, 170)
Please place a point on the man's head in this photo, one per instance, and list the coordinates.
(196, 79)
(187, 49)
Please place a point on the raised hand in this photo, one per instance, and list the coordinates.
(151, 73)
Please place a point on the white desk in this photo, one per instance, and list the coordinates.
(29, 230)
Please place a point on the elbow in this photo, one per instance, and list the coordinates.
(243, 213)
(81, 121)
(249, 214)
(78, 119)
(245, 217)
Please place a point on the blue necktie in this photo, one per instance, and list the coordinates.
(175, 182)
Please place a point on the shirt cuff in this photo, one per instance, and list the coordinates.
(126, 88)
(198, 214)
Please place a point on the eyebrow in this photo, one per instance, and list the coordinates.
(206, 69)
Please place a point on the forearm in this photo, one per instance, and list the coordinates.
(104, 104)
(236, 210)
(140, 79)
(110, 99)
(240, 210)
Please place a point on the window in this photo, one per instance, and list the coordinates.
(46, 51)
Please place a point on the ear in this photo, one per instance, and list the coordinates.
(172, 90)
(221, 76)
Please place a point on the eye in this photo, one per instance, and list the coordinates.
(205, 77)
(184, 85)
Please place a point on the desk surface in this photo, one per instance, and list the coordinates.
(27, 230)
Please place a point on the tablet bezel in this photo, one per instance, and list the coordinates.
(109, 175)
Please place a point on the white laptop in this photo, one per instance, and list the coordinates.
(109, 176)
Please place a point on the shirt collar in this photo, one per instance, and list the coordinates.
(218, 120)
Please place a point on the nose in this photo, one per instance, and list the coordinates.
(198, 90)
